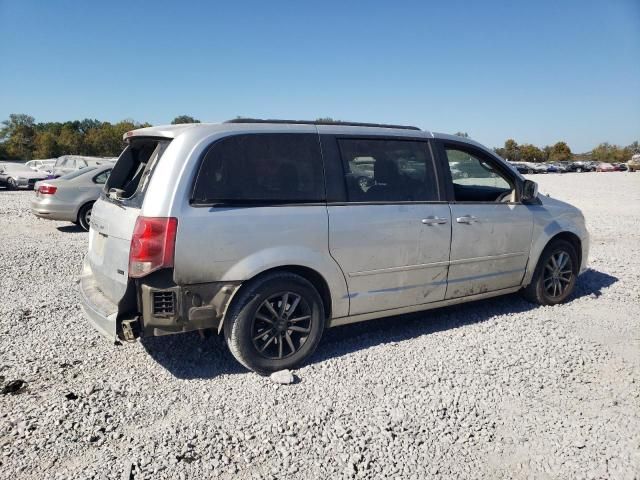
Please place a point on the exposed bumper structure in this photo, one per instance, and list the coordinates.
(98, 309)
(165, 308)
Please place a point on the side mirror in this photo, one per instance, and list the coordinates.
(529, 191)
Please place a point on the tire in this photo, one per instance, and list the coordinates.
(541, 290)
(11, 184)
(247, 332)
(579, 170)
(84, 216)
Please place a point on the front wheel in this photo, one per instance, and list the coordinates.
(276, 322)
(555, 276)
(12, 184)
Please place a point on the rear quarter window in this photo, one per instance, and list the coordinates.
(261, 168)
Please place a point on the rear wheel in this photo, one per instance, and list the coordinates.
(555, 276)
(84, 216)
(276, 322)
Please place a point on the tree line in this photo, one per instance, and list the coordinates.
(605, 152)
(22, 138)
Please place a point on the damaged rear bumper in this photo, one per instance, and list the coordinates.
(167, 308)
(159, 308)
(99, 310)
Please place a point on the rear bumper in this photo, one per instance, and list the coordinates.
(46, 208)
(98, 309)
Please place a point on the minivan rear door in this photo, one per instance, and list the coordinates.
(114, 215)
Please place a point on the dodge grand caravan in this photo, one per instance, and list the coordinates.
(266, 232)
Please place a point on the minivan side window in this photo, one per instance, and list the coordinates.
(386, 170)
(261, 168)
(475, 178)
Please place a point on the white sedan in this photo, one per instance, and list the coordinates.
(16, 175)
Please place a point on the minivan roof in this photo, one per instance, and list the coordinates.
(254, 125)
(172, 131)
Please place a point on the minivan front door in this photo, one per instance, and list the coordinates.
(391, 236)
(491, 231)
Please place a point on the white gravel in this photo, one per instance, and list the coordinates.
(494, 389)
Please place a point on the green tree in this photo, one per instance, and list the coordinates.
(184, 119)
(70, 141)
(511, 150)
(560, 152)
(19, 134)
(46, 145)
(531, 153)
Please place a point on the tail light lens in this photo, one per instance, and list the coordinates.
(152, 245)
(47, 189)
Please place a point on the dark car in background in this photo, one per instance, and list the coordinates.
(581, 166)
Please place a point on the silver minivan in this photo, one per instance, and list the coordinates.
(271, 231)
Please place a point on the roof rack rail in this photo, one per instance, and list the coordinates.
(321, 122)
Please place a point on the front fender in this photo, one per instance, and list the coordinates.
(550, 219)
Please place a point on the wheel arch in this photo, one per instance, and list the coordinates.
(312, 276)
(573, 239)
(566, 235)
(81, 206)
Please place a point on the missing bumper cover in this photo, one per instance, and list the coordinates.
(176, 309)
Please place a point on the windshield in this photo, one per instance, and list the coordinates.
(77, 173)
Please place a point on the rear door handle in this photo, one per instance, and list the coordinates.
(434, 221)
(468, 219)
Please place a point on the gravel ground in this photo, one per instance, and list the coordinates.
(493, 389)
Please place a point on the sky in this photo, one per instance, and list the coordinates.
(537, 72)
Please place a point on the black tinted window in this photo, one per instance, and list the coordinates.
(388, 170)
(262, 168)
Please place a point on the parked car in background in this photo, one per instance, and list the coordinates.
(605, 167)
(70, 198)
(521, 167)
(41, 165)
(634, 164)
(70, 163)
(17, 175)
(535, 167)
(260, 230)
(551, 168)
(620, 167)
(560, 167)
(581, 166)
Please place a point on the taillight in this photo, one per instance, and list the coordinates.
(47, 189)
(152, 245)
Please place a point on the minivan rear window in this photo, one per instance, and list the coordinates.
(261, 168)
(134, 167)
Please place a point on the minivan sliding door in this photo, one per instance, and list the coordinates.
(389, 234)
